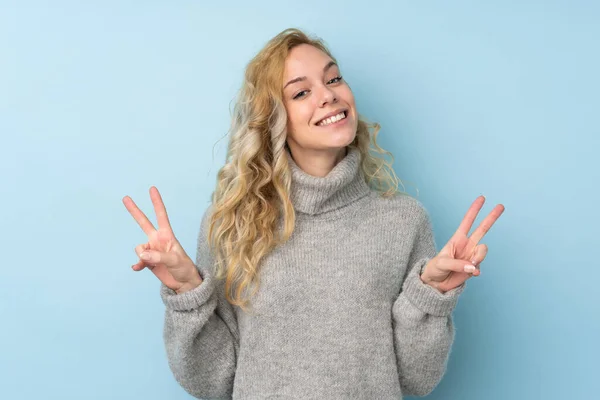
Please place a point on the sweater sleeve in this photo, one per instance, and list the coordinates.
(422, 318)
(201, 332)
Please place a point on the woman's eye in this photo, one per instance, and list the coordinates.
(334, 80)
(299, 94)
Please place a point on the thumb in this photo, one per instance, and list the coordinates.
(158, 257)
(456, 265)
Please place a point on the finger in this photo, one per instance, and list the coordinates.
(471, 215)
(152, 257)
(479, 254)
(458, 266)
(138, 215)
(139, 249)
(140, 265)
(160, 210)
(486, 224)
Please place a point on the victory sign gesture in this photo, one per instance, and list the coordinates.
(459, 258)
(162, 254)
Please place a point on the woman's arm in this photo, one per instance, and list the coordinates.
(200, 331)
(423, 326)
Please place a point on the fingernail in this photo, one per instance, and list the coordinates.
(469, 268)
(145, 256)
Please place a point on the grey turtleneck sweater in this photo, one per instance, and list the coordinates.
(341, 312)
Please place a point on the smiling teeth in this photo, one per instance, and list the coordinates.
(333, 119)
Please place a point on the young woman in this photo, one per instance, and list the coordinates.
(314, 277)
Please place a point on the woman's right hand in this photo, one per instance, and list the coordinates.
(167, 259)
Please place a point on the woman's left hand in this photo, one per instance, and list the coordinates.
(446, 270)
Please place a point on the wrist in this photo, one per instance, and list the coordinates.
(431, 283)
(190, 285)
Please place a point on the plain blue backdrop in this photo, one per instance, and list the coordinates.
(99, 100)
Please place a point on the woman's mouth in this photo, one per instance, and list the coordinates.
(336, 120)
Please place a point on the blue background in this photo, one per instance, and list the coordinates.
(99, 100)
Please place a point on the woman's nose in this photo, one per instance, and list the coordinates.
(327, 96)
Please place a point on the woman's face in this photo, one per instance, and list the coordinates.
(312, 91)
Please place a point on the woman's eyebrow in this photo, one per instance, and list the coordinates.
(301, 78)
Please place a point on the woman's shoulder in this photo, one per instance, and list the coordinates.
(399, 202)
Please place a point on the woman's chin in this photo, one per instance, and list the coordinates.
(342, 138)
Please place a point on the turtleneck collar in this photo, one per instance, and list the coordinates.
(343, 185)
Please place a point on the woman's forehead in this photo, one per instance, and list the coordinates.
(304, 53)
(305, 61)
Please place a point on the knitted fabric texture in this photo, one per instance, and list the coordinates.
(341, 312)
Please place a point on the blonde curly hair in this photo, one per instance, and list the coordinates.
(252, 194)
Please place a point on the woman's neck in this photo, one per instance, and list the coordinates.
(317, 163)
